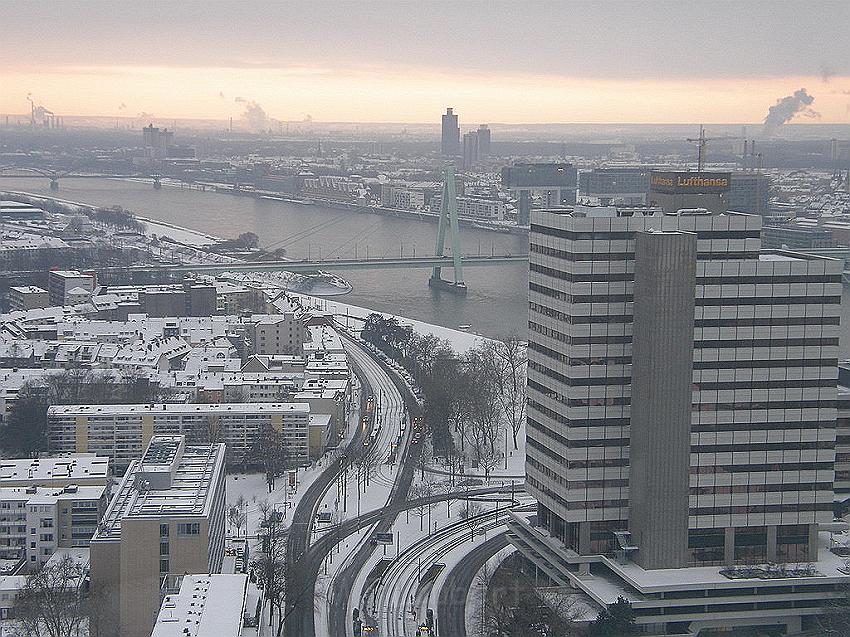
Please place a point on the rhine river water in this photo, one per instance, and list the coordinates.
(495, 305)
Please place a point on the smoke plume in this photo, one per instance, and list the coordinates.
(826, 72)
(787, 108)
(255, 117)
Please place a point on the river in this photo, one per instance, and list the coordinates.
(495, 305)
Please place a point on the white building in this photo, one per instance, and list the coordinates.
(36, 521)
(218, 605)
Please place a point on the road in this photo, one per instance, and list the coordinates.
(343, 584)
(451, 614)
(300, 613)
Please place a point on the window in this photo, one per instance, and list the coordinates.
(189, 528)
(163, 530)
(163, 548)
(163, 566)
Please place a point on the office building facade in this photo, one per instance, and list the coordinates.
(681, 400)
(541, 186)
(450, 139)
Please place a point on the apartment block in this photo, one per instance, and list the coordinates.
(122, 432)
(165, 519)
(36, 521)
(29, 297)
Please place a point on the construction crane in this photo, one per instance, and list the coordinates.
(701, 142)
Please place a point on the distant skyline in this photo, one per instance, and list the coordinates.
(530, 62)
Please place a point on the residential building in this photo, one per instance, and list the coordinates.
(123, 431)
(166, 518)
(681, 417)
(84, 469)
(28, 297)
(276, 333)
(9, 587)
(470, 207)
(217, 605)
(36, 521)
(61, 282)
(450, 139)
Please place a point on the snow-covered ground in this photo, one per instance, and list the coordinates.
(252, 486)
(352, 316)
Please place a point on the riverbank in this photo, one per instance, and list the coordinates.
(426, 216)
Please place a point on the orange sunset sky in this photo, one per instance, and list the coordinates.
(497, 61)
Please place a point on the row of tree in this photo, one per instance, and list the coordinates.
(25, 432)
(471, 399)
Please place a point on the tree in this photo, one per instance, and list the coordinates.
(269, 454)
(512, 607)
(54, 602)
(617, 620)
(25, 433)
(421, 491)
(511, 359)
(270, 565)
(387, 335)
(237, 516)
(470, 513)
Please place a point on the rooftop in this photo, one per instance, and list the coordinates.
(34, 470)
(181, 408)
(150, 488)
(207, 605)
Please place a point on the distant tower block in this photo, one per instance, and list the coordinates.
(448, 216)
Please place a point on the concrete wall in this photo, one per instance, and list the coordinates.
(662, 369)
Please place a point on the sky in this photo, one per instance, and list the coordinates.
(514, 61)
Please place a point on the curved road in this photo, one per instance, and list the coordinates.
(302, 581)
(451, 605)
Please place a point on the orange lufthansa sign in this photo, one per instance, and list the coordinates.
(689, 182)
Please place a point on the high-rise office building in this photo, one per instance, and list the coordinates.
(625, 185)
(470, 149)
(681, 415)
(540, 186)
(450, 145)
(750, 192)
(483, 140)
(165, 519)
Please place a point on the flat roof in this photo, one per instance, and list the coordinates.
(72, 467)
(183, 408)
(206, 605)
(186, 494)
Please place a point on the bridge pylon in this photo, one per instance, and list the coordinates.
(54, 183)
(448, 221)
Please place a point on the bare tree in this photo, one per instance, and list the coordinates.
(270, 454)
(421, 491)
(237, 515)
(54, 602)
(511, 359)
(511, 605)
(269, 565)
(470, 513)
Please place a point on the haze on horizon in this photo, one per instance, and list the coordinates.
(405, 61)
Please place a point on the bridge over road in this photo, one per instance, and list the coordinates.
(306, 266)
